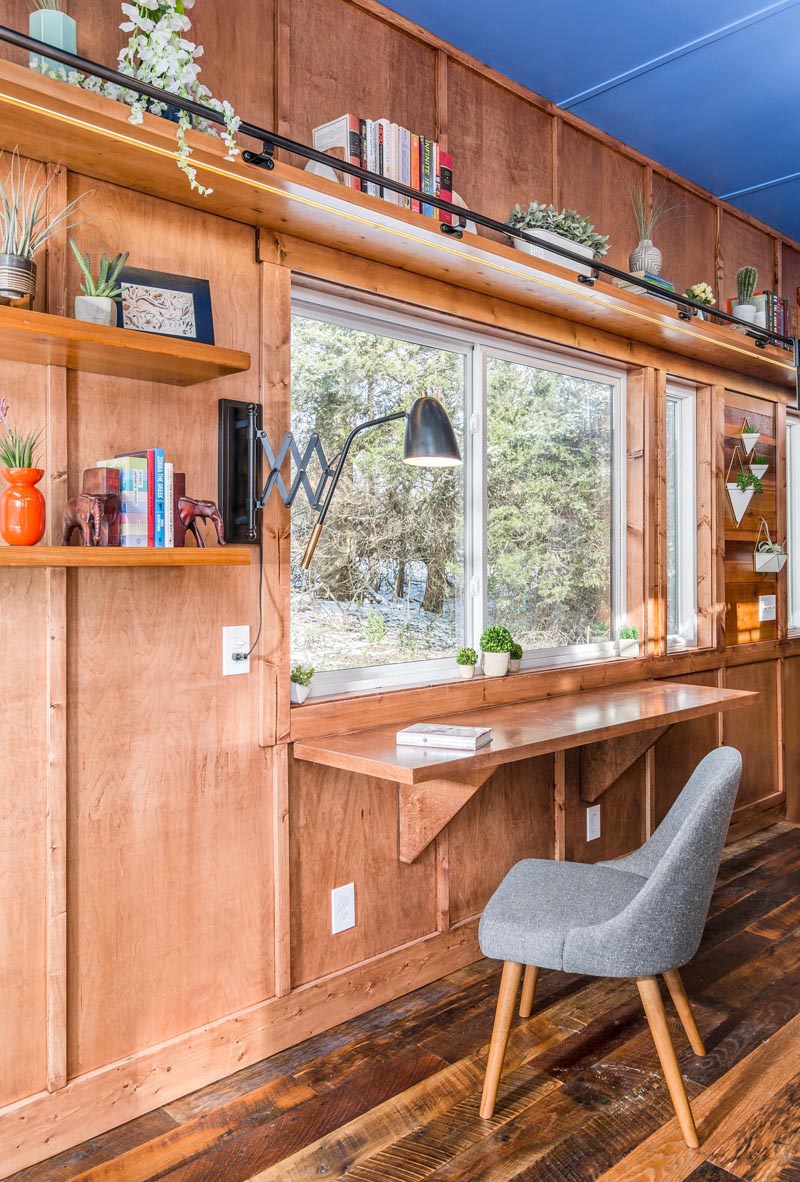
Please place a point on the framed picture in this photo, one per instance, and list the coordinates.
(169, 305)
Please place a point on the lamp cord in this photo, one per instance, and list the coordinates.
(253, 646)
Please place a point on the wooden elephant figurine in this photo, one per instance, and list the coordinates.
(92, 514)
(190, 510)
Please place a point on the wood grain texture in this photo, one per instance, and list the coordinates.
(791, 736)
(113, 556)
(685, 235)
(423, 812)
(742, 244)
(678, 752)
(603, 763)
(758, 741)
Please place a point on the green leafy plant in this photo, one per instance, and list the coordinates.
(701, 293)
(755, 461)
(17, 450)
(746, 280)
(745, 480)
(629, 632)
(567, 222)
(496, 639)
(106, 282)
(25, 221)
(516, 652)
(749, 429)
(302, 674)
(466, 656)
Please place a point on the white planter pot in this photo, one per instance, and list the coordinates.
(629, 647)
(550, 256)
(766, 563)
(761, 318)
(745, 312)
(96, 310)
(646, 257)
(739, 500)
(513, 665)
(54, 28)
(759, 470)
(749, 440)
(495, 664)
(298, 693)
(467, 672)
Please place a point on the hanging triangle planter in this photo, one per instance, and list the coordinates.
(759, 470)
(749, 438)
(766, 563)
(739, 499)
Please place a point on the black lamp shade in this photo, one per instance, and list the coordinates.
(430, 441)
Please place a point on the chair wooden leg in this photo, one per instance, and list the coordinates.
(509, 986)
(528, 990)
(682, 1005)
(657, 1020)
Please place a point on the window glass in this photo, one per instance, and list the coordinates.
(681, 518)
(793, 520)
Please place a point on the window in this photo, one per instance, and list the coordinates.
(681, 518)
(413, 563)
(793, 520)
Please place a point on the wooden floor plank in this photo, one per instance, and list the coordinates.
(768, 1146)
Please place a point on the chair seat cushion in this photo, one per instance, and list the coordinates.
(539, 903)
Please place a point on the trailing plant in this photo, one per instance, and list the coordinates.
(567, 222)
(647, 216)
(496, 639)
(301, 674)
(159, 53)
(106, 282)
(466, 656)
(746, 280)
(516, 652)
(629, 632)
(745, 480)
(701, 293)
(26, 223)
(17, 450)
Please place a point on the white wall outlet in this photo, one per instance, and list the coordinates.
(343, 908)
(593, 823)
(766, 608)
(235, 639)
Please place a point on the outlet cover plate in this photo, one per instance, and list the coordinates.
(235, 639)
(766, 608)
(593, 823)
(343, 908)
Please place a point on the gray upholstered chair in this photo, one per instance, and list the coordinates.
(639, 916)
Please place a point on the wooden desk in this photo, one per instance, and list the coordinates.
(434, 785)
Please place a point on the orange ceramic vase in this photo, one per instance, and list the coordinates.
(22, 509)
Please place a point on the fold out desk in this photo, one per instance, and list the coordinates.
(613, 727)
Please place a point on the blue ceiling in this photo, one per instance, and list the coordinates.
(710, 89)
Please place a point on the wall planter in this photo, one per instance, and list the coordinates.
(540, 252)
(768, 557)
(739, 499)
(759, 470)
(749, 437)
(743, 488)
(96, 310)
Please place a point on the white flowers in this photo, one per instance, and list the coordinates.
(701, 293)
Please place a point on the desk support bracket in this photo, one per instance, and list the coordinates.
(603, 763)
(423, 810)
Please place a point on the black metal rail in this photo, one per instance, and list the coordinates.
(270, 140)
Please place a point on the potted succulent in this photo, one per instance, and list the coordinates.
(26, 223)
(98, 304)
(750, 436)
(629, 641)
(646, 256)
(701, 293)
(741, 492)
(496, 645)
(744, 308)
(566, 228)
(300, 682)
(515, 658)
(758, 466)
(22, 506)
(466, 659)
(768, 557)
(50, 23)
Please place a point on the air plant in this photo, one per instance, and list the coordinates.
(647, 216)
(17, 450)
(106, 282)
(746, 280)
(25, 221)
(46, 5)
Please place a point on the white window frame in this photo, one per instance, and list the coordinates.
(684, 398)
(793, 522)
(370, 313)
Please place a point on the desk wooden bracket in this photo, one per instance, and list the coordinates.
(603, 763)
(423, 810)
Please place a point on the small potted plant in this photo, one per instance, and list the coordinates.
(466, 659)
(646, 256)
(701, 293)
(515, 658)
(22, 506)
(750, 436)
(744, 308)
(741, 492)
(629, 641)
(496, 645)
(566, 228)
(758, 466)
(50, 23)
(300, 682)
(98, 304)
(768, 557)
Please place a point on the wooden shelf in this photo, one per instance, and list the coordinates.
(107, 556)
(92, 135)
(41, 339)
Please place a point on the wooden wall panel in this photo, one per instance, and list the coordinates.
(344, 829)
(791, 736)
(686, 236)
(678, 752)
(596, 181)
(622, 815)
(743, 244)
(756, 731)
(790, 281)
(485, 120)
(509, 818)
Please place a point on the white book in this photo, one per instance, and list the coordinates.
(405, 162)
(385, 158)
(372, 155)
(432, 734)
(169, 504)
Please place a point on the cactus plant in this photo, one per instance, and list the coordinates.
(746, 280)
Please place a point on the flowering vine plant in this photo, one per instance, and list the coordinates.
(16, 450)
(160, 53)
(701, 293)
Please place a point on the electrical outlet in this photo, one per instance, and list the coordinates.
(235, 640)
(593, 823)
(766, 608)
(343, 908)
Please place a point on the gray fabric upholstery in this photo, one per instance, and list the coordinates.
(636, 917)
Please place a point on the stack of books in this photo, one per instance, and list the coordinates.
(394, 152)
(637, 289)
(774, 307)
(149, 489)
(435, 734)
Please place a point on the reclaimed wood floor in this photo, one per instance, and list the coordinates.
(393, 1096)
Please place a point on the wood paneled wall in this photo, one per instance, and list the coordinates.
(164, 887)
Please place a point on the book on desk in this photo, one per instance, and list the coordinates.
(454, 738)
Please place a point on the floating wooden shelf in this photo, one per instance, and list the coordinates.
(92, 135)
(41, 339)
(105, 556)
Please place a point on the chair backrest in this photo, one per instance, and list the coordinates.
(661, 927)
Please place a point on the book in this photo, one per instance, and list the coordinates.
(169, 499)
(445, 184)
(405, 163)
(341, 137)
(416, 173)
(98, 482)
(133, 512)
(362, 131)
(373, 155)
(155, 494)
(427, 156)
(460, 738)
